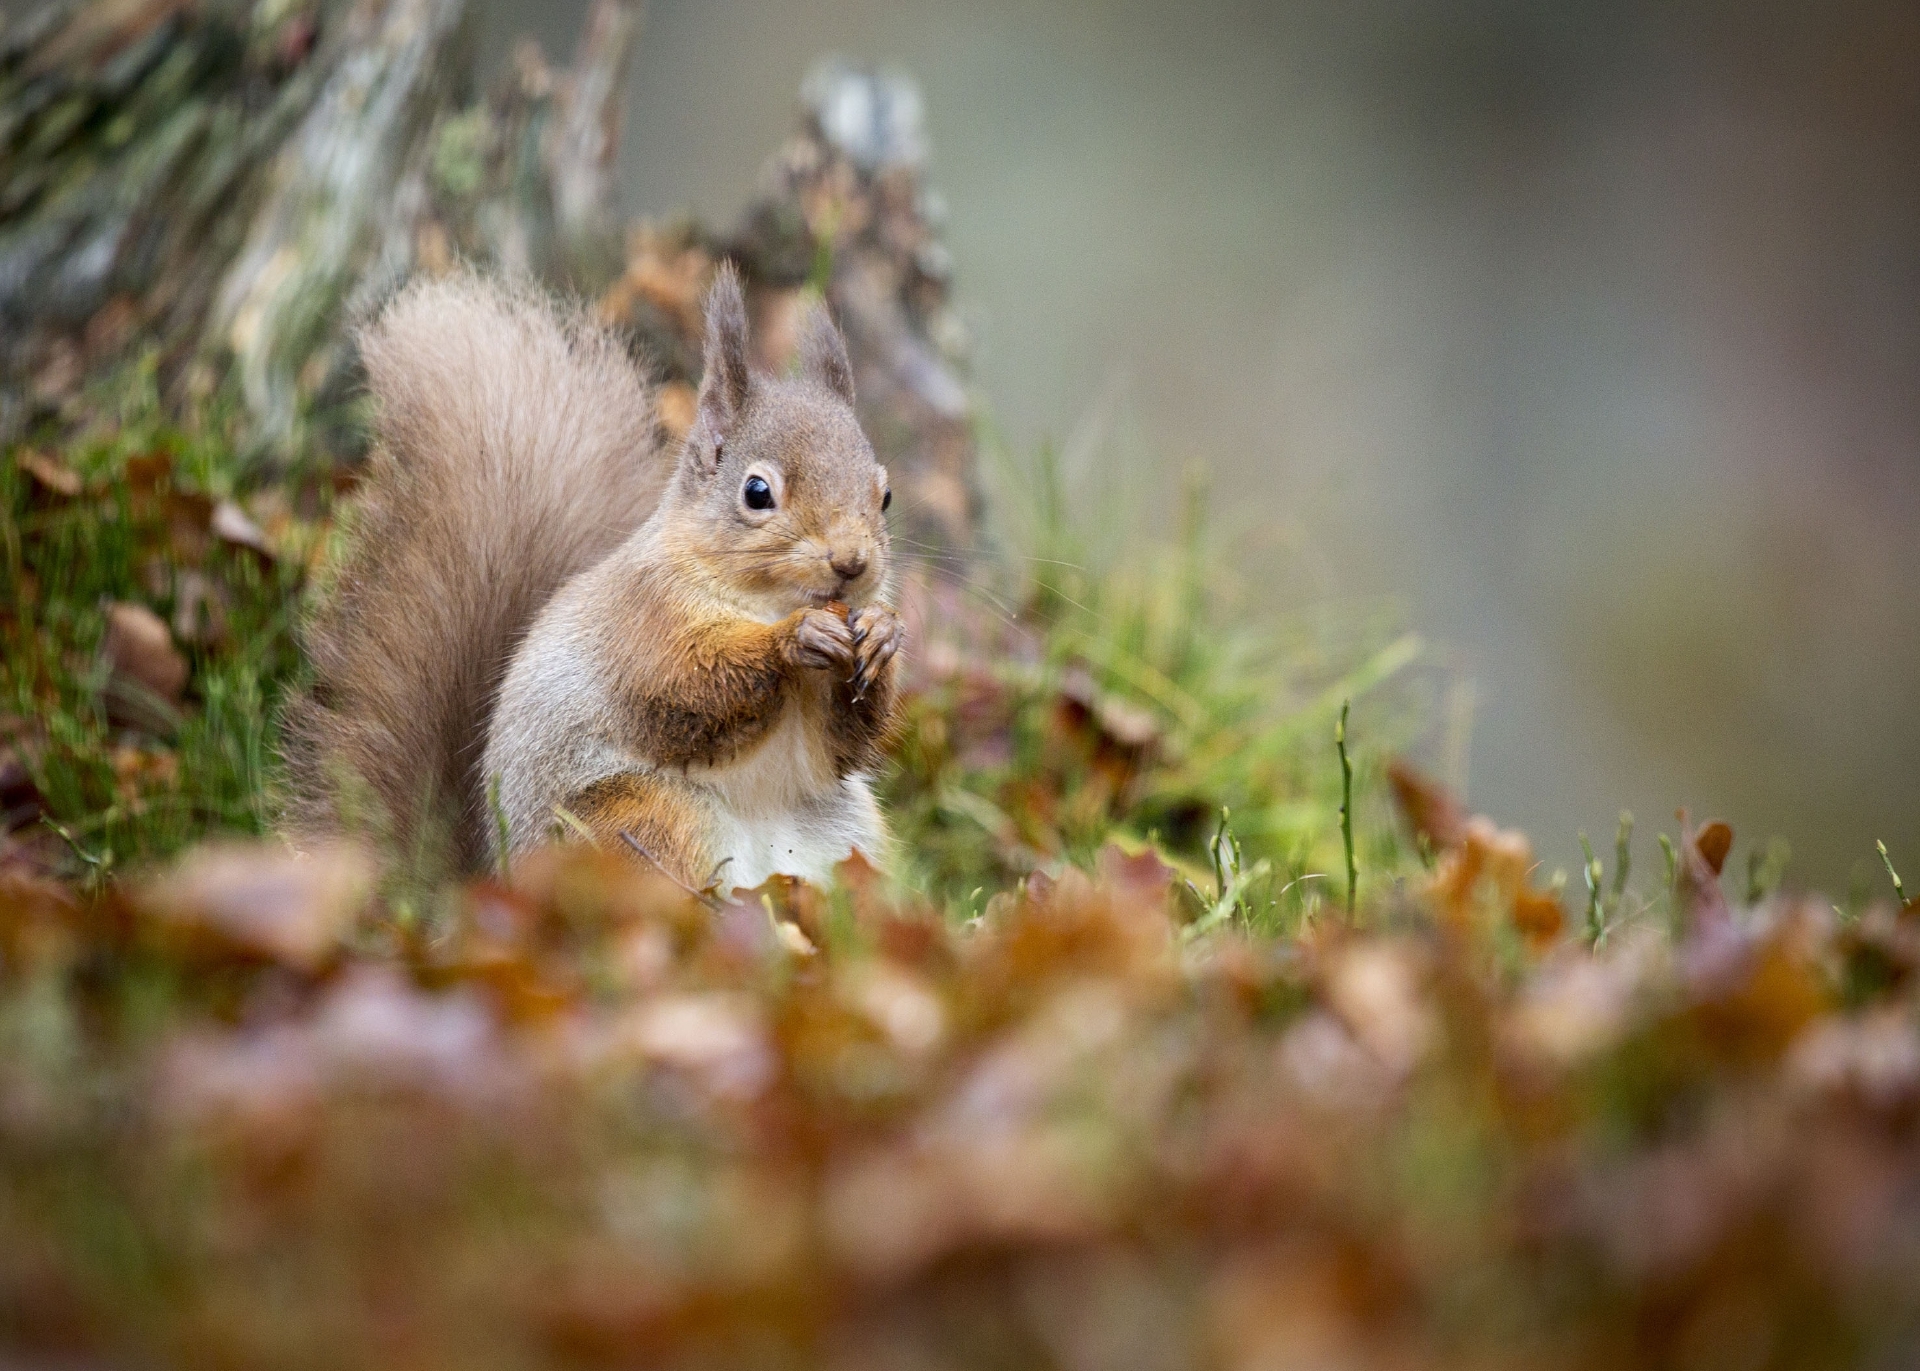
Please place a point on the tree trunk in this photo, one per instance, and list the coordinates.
(225, 186)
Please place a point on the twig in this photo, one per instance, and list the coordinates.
(98, 863)
(1230, 899)
(576, 823)
(1346, 805)
(1898, 889)
(1622, 855)
(1672, 860)
(1593, 871)
(659, 866)
(501, 830)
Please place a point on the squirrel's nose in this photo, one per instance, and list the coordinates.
(848, 563)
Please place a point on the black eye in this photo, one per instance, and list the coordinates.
(757, 493)
(886, 500)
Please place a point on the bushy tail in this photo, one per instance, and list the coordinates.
(515, 447)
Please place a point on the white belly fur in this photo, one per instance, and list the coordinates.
(781, 810)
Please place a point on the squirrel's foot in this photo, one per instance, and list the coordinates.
(877, 635)
(822, 640)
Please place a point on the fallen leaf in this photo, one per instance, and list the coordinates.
(189, 520)
(147, 472)
(1118, 723)
(1375, 989)
(666, 272)
(199, 608)
(716, 1038)
(231, 526)
(1141, 878)
(264, 900)
(20, 799)
(1697, 886)
(675, 404)
(49, 472)
(140, 648)
(1491, 862)
(136, 770)
(1538, 916)
(1429, 808)
(1715, 840)
(900, 1004)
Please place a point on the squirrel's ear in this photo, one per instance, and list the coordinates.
(823, 353)
(723, 389)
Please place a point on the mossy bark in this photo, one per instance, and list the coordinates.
(222, 188)
(225, 186)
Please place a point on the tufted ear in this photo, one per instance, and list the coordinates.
(723, 388)
(823, 353)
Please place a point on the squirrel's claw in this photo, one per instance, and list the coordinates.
(876, 637)
(821, 640)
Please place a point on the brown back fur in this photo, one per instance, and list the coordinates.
(515, 449)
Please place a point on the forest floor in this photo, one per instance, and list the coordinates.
(1188, 1029)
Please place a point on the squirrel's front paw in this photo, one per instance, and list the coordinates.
(822, 640)
(877, 635)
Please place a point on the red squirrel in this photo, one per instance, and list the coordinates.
(547, 621)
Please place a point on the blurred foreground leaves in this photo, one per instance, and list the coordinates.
(254, 1114)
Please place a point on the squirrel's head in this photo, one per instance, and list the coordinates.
(788, 502)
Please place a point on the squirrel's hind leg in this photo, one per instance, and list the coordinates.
(647, 818)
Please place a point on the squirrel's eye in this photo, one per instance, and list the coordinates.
(757, 493)
(886, 500)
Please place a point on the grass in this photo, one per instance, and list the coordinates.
(1072, 692)
(124, 777)
(1134, 697)
(1132, 691)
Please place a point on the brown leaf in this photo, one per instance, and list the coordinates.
(1714, 841)
(675, 404)
(1538, 916)
(1139, 878)
(231, 526)
(49, 472)
(1429, 808)
(140, 648)
(1486, 853)
(1698, 883)
(1753, 995)
(147, 472)
(666, 273)
(136, 770)
(20, 799)
(266, 901)
(1114, 722)
(1375, 988)
(199, 608)
(189, 518)
(715, 1038)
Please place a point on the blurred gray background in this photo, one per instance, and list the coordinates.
(1590, 331)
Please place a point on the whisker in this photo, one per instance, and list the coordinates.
(986, 553)
(1002, 610)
